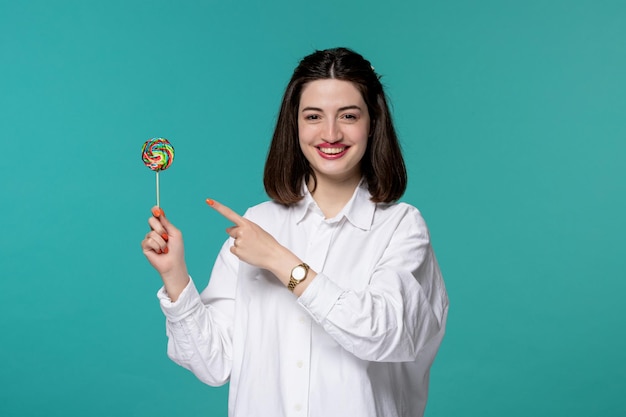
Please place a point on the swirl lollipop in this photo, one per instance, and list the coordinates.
(157, 154)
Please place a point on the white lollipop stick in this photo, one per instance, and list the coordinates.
(158, 194)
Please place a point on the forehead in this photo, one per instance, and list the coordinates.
(331, 92)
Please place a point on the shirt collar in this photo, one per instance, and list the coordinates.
(304, 206)
(359, 210)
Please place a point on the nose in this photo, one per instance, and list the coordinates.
(331, 132)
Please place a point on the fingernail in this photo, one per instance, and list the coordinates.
(166, 250)
(162, 212)
(156, 212)
(210, 202)
(165, 236)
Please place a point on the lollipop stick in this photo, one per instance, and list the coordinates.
(157, 190)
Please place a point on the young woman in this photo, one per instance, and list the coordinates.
(327, 300)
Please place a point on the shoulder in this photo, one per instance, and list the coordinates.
(266, 212)
(400, 210)
(404, 217)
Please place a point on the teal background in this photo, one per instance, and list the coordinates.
(512, 118)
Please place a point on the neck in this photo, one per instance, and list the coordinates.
(332, 196)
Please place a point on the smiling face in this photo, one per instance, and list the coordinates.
(333, 128)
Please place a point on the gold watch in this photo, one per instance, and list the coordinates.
(298, 274)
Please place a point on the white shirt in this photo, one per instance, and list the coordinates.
(360, 340)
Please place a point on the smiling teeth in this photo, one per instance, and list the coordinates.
(332, 151)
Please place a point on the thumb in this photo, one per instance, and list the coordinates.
(170, 229)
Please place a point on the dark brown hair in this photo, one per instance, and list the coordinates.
(382, 165)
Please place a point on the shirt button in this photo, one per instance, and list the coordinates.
(302, 319)
(298, 407)
(299, 364)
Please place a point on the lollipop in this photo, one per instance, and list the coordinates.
(157, 154)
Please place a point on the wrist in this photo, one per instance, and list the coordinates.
(175, 282)
(298, 274)
(282, 264)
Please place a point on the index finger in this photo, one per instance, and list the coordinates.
(226, 212)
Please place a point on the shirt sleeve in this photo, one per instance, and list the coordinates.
(200, 327)
(402, 311)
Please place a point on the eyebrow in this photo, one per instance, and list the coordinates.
(344, 108)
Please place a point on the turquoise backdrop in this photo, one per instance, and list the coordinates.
(512, 115)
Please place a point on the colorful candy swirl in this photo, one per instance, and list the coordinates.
(157, 154)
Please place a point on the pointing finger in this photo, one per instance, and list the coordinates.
(226, 212)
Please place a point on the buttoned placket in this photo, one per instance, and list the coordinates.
(320, 237)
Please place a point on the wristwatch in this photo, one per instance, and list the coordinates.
(298, 274)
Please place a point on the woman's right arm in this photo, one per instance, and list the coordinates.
(199, 328)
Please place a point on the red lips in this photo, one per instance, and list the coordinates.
(331, 150)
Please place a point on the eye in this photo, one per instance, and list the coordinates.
(350, 117)
(312, 117)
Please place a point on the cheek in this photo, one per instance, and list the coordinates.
(306, 134)
(303, 144)
(362, 135)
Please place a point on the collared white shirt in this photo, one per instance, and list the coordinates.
(359, 341)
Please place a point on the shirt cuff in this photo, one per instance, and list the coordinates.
(187, 302)
(320, 297)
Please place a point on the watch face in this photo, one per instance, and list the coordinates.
(298, 272)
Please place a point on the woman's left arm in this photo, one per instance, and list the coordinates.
(402, 310)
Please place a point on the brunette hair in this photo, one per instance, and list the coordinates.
(382, 165)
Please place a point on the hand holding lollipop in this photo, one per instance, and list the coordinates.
(163, 245)
(158, 155)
